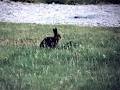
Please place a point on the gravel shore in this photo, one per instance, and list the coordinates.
(82, 15)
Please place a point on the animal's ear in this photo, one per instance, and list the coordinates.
(55, 31)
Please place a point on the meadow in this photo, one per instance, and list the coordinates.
(86, 58)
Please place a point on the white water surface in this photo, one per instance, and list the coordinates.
(82, 15)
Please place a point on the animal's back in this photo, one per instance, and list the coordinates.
(48, 42)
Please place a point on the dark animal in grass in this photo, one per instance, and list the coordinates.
(51, 42)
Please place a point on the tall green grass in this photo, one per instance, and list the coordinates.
(86, 58)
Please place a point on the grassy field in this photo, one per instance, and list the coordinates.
(87, 58)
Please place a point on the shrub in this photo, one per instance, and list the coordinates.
(55, 1)
(71, 1)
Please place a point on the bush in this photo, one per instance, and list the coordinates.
(92, 1)
(55, 1)
(72, 1)
(29, 1)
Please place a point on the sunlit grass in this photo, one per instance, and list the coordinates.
(86, 58)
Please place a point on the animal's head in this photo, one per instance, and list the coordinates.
(56, 34)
